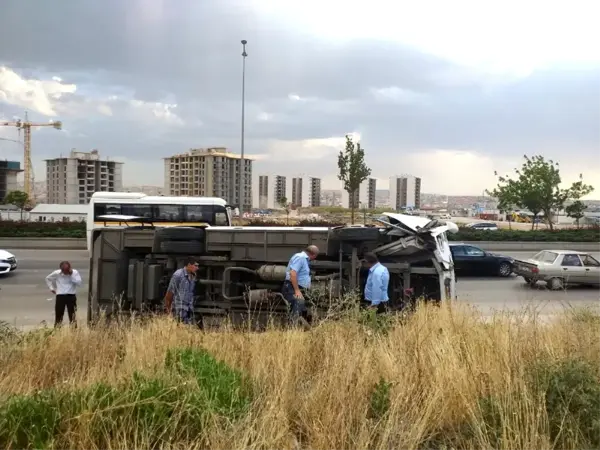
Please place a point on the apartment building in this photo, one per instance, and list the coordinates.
(72, 180)
(371, 191)
(297, 192)
(314, 193)
(8, 177)
(210, 172)
(405, 192)
(263, 191)
(280, 189)
(358, 199)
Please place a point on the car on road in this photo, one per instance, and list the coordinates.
(482, 226)
(559, 268)
(470, 260)
(8, 262)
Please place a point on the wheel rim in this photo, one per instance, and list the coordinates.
(504, 270)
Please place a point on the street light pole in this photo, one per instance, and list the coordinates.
(242, 169)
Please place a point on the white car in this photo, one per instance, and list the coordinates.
(8, 262)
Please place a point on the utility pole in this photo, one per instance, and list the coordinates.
(242, 169)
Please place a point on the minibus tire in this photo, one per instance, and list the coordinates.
(182, 247)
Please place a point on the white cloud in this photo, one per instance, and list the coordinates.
(308, 149)
(37, 95)
(53, 97)
(394, 94)
(162, 111)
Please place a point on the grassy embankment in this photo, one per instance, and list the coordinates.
(442, 379)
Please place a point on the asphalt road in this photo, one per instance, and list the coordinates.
(23, 294)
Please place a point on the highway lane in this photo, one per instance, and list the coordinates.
(23, 293)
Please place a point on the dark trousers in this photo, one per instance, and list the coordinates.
(68, 301)
(297, 308)
(381, 308)
(184, 315)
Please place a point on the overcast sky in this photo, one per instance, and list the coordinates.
(448, 91)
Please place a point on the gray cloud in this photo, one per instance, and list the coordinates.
(188, 52)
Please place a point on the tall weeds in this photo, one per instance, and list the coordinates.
(444, 378)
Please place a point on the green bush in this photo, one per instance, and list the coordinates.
(559, 235)
(77, 230)
(591, 234)
(9, 228)
(156, 411)
(299, 223)
(571, 390)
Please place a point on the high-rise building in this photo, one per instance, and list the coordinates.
(73, 179)
(314, 194)
(405, 192)
(209, 172)
(371, 191)
(263, 191)
(297, 192)
(358, 199)
(280, 190)
(8, 177)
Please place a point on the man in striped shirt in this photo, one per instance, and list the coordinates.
(179, 299)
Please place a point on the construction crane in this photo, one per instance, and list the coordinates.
(26, 125)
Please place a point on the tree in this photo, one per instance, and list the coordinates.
(576, 210)
(352, 170)
(18, 198)
(536, 187)
(283, 202)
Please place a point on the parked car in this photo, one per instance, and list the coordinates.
(8, 262)
(558, 268)
(485, 226)
(470, 260)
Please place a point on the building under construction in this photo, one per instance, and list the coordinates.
(8, 177)
(72, 180)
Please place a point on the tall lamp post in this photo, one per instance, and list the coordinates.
(242, 170)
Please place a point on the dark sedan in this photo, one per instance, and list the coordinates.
(473, 261)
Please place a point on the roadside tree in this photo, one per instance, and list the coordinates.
(18, 198)
(576, 211)
(287, 207)
(352, 170)
(536, 187)
(577, 208)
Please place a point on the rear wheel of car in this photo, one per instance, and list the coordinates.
(505, 269)
(555, 284)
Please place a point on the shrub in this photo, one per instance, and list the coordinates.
(9, 228)
(151, 410)
(560, 235)
(571, 391)
(298, 223)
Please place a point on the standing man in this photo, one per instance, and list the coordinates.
(63, 283)
(297, 280)
(376, 289)
(179, 299)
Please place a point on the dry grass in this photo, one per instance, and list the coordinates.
(442, 379)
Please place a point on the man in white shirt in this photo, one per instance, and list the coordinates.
(63, 283)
